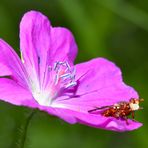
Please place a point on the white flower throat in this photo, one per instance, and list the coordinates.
(62, 76)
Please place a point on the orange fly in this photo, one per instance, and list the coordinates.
(121, 109)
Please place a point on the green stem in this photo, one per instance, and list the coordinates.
(24, 129)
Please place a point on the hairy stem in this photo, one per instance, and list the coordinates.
(24, 129)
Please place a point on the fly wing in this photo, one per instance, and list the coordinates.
(99, 108)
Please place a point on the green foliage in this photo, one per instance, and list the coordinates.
(115, 29)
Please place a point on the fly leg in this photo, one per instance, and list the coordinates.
(124, 116)
(133, 115)
(126, 119)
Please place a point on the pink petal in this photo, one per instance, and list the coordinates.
(93, 120)
(105, 77)
(35, 42)
(63, 45)
(41, 45)
(10, 63)
(13, 93)
(4, 70)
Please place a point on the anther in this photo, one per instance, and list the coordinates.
(68, 66)
(73, 73)
(56, 79)
(67, 75)
(55, 66)
(71, 84)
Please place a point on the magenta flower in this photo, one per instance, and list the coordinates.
(45, 77)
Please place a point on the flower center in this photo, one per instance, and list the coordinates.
(60, 76)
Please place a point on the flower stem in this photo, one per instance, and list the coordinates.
(24, 129)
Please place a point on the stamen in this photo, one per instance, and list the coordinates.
(56, 79)
(55, 66)
(68, 66)
(67, 75)
(73, 73)
(64, 74)
(60, 77)
(71, 84)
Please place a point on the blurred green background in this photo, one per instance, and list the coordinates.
(115, 29)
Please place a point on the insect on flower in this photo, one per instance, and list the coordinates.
(46, 78)
(121, 109)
